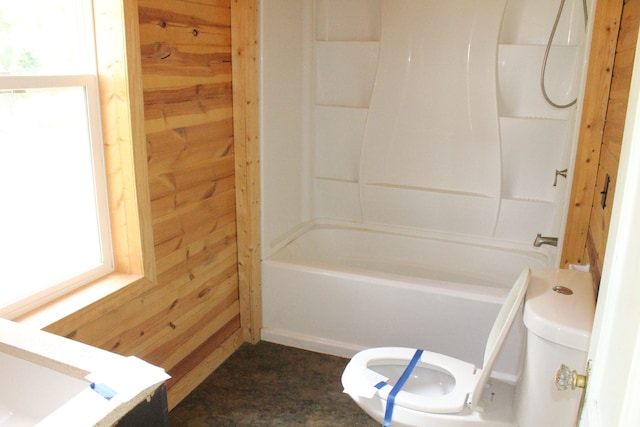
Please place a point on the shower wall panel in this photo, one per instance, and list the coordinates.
(537, 138)
(347, 43)
(417, 114)
(431, 153)
(285, 108)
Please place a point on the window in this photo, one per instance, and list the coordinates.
(54, 224)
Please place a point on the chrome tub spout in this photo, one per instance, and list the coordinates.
(543, 240)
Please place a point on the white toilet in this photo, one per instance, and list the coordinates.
(446, 392)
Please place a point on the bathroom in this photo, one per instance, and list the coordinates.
(366, 166)
(322, 86)
(166, 317)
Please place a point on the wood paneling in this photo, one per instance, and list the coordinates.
(611, 63)
(605, 34)
(192, 133)
(612, 136)
(188, 102)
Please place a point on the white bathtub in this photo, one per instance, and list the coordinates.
(338, 290)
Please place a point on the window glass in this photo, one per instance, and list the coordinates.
(45, 37)
(53, 220)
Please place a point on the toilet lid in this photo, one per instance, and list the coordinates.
(499, 332)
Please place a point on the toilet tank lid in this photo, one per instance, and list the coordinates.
(553, 313)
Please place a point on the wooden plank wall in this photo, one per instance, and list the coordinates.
(608, 82)
(612, 136)
(189, 298)
(605, 34)
(187, 82)
(188, 319)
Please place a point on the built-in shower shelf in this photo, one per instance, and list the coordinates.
(521, 218)
(529, 200)
(527, 145)
(337, 41)
(534, 118)
(345, 42)
(534, 46)
(519, 92)
(332, 179)
(430, 190)
(350, 107)
(350, 20)
(345, 72)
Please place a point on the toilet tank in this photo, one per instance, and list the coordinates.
(558, 315)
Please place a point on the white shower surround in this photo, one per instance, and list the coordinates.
(343, 144)
(353, 131)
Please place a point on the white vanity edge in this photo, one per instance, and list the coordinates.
(133, 379)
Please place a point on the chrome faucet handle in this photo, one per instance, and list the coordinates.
(562, 173)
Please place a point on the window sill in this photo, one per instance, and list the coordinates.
(91, 301)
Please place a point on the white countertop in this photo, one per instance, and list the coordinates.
(132, 380)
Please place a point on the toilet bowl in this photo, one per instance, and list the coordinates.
(443, 391)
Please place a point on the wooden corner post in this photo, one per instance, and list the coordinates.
(244, 45)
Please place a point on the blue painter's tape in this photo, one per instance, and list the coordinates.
(103, 390)
(398, 386)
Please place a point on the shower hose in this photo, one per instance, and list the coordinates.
(546, 54)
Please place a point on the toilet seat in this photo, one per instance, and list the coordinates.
(463, 373)
(359, 379)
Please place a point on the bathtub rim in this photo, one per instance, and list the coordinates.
(491, 294)
(419, 272)
(546, 254)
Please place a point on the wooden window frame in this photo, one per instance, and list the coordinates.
(120, 85)
(121, 92)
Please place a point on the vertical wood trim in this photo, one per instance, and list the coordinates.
(599, 74)
(138, 153)
(120, 81)
(244, 46)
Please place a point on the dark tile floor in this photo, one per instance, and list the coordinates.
(272, 385)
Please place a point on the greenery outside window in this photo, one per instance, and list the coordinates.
(54, 222)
